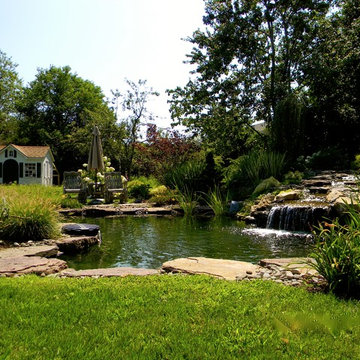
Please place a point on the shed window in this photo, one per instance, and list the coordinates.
(30, 170)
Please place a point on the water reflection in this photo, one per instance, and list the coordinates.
(149, 241)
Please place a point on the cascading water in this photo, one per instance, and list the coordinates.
(295, 218)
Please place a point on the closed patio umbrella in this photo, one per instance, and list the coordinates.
(96, 161)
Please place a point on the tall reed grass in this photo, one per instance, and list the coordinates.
(187, 201)
(186, 177)
(252, 168)
(217, 201)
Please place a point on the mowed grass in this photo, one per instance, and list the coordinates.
(172, 317)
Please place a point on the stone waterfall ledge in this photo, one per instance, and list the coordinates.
(223, 269)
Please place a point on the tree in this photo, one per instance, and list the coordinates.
(332, 75)
(59, 109)
(162, 151)
(10, 91)
(133, 103)
(247, 60)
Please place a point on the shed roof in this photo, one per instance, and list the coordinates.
(30, 151)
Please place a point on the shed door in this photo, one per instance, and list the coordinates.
(10, 172)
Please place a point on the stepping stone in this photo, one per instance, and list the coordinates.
(222, 269)
(109, 272)
(23, 265)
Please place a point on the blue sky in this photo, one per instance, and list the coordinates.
(103, 41)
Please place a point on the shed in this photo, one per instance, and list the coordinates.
(26, 164)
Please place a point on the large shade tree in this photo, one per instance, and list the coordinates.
(10, 91)
(59, 109)
(246, 61)
(333, 79)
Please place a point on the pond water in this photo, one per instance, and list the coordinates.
(147, 242)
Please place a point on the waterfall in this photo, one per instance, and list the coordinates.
(295, 218)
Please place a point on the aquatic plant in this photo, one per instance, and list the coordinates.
(217, 201)
(187, 200)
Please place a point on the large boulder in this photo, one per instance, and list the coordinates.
(73, 245)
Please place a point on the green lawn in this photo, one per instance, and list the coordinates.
(172, 317)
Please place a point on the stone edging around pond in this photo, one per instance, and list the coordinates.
(143, 209)
(38, 259)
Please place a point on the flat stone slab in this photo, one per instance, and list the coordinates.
(109, 272)
(23, 265)
(222, 269)
(71, 245)
(41, 250)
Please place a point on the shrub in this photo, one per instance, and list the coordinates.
(170, 198)
(138, 190)
(293, 177)
(356, 163)
(266, 185)
(69, 202)
(329, 158)
(247, 171)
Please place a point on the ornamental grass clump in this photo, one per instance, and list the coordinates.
(26, 218)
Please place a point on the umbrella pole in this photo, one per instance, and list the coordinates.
(95, 181)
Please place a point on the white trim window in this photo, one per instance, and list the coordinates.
(30, 170)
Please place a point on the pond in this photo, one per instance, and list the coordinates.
(147, 242)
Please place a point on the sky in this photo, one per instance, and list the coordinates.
(104, 41)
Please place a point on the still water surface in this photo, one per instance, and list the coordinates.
(148, 242)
